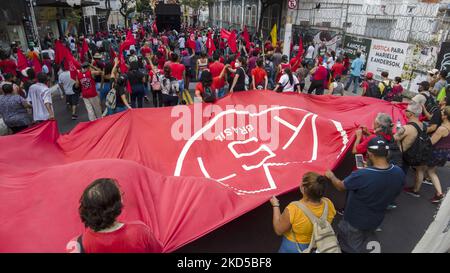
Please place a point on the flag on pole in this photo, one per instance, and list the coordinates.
(273, 34)
(224, 34)
(246, 37)
(232, 42)
(210, 44)
(300, 48)
(21, 60)
(37, 66)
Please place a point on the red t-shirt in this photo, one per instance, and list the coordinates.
(133, 237)
(259, 74)
(216, 68)
(8, 66)
(145, 51)
(337, 69)
(87, 85)
(361, 148)
(161, 62)
(321, 74)
(177, 70)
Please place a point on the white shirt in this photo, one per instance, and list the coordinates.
(310, 52)
(38, 95)
(182, 42)
(50, 52)
(284, 81)
(66, 81)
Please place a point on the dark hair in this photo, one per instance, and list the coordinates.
(100, 204)
(358, 54)
(260, 62)
(134, 65)
(42, 77)
(314, 185)
(31, 73)
(384, 74)
(288, 71)
(203, 55)
(398, 79)
(7, 88)
(121, 80)
(168, 70)
(243, 62)
(8, 76)
(174, 57)
(216, 56)
(206, 79)
(443, 73)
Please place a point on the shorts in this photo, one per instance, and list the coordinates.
(353, 240)
(287, 246)
(73, 99)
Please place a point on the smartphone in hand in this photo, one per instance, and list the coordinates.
(359, 158)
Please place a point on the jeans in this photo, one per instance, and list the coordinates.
(105, 90)
(117, 110)
(157, 98)
(221, 92)
(137, 95)
(287, 246)
(353, 240)
(355, 80)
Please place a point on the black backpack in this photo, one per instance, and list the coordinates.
(421, 150)
(387, 89)
(209, 95)
(430, 104)
(373, 90)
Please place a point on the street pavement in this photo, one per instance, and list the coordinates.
(401, 230)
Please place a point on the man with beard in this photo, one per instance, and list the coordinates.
(369, 192)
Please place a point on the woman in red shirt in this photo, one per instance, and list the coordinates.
(259, 76)
(319, 78)
(100, 205)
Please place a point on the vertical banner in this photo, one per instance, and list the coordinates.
(443, 60)
(387, 56)
(287, 40)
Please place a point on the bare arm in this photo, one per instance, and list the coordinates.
(266, 82)
(253, 82)
(440, 133)
(337, 183)
(50, 110)
(124, 100)
(281, 222)
(236, 77)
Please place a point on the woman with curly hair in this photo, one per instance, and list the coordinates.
(100, 205)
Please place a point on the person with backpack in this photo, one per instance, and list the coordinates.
(169, 87)
(155, 75)
(370, 87)
(369, 192)
(288, 82)
(336, 87)
(431, 110)
(300, 219)
(259, 76)
(319, 78)
(385, 85)
(137, 83)
(270, 69)
(396, 92)
(440, 154)
(116, 100)
(415, 145)
(241, 79)
(438, 90)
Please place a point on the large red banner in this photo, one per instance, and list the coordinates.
(184, 170)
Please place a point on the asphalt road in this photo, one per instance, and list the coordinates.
(401, 230)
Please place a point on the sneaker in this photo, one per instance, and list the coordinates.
(437, 199)
(340, 212)
(74, 117)
(427, 181)
(410, 191)
(391, 207)
(146, 99)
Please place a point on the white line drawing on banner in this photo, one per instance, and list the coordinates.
(263, 163)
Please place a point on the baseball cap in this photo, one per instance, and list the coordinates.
(378, 146)
(433, 71)
(369, 75)
(424, 84)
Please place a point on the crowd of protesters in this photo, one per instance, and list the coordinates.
(123, 69)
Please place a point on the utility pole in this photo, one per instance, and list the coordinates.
(33, 19)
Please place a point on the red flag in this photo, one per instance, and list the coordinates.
(83, 50)
(210, 45)
(191, 42)
(224, 34)
(22, 62)
(300, 48)
(37, 66)
(59, 52)
(232, 42)
(246, 37)
(210, 189)
(130, 38)
(155, 28)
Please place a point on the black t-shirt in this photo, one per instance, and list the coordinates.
(135, 77)
(240, 84)
(119, 92)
